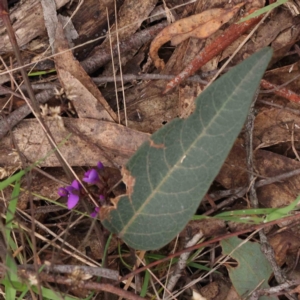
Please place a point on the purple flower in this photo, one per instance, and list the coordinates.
(100, 165)
(62, 192)
(91, 176)
(102, 199)
(72, 191)
(95, 212)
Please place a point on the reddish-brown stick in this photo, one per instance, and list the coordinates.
(232, 33)
(280, 91)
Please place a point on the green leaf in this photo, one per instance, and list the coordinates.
(253, 268)
(169, 175)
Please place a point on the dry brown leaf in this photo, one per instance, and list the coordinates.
(284, 243)
(198, 26)
(274, 126)
(118, 142)
(267, 164)
(87, 99)
(233, 173)
(281, 193)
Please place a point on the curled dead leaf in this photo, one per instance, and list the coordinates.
(128, 180)
(198, 26)
(105, 210)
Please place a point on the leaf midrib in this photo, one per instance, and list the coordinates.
(137, 212)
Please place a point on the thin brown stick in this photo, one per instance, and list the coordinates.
(132, 77)
(276, 290)
(280, 91)
(93, 286)
(69, 269)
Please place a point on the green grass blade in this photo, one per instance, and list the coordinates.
(263, 10)
(145, 284)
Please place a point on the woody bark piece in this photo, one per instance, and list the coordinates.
(90, 22)
(223, 41)
(130, 17)
(28, 23)
(82, 149)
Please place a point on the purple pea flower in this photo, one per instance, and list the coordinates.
(62, 192)
(100, 165)
(73, 197)
(72, 191)
(101, 199)
(95, 212)
(91, 177)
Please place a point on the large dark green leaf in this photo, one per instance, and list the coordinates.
(169, 175)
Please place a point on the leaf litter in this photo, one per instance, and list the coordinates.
(96, 137)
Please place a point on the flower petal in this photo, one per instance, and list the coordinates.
(62, 192)
(87, 173)
(76, 185)
(69, 189)
(91, 176)
(100, 165)
(72, 201)
(102, 199)
(95, 212)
